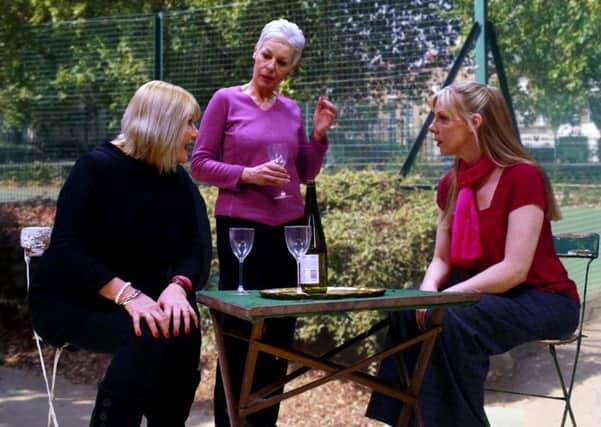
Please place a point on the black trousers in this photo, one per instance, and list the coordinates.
(269, 265)
(147, 376)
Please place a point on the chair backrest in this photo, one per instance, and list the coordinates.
(578, 245)
(34, 241)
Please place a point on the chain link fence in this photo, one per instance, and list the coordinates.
(378, 61)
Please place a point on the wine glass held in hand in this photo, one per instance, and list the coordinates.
(241, 241)
(279, 154)
(298, 238)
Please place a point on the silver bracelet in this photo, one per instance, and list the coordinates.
(131, 297)
(120, 293)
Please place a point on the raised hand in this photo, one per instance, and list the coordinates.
(323, 117)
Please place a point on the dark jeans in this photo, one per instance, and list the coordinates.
(269, 265)
(452, 392)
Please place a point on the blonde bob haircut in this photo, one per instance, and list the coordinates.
(154, 121)
(495, 135)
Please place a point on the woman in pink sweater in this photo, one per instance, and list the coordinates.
(231, 152)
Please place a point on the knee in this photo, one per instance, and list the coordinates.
(403, 324)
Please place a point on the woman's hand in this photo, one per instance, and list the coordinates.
(420, 318)
(420, 313)
(323, 117)
(175, 305)
(144, 307)
(269, 173)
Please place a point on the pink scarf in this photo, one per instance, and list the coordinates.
(466, 247)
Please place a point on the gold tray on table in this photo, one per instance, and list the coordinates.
(333, 292)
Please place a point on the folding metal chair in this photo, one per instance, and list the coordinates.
(34, 241)
(569, 245)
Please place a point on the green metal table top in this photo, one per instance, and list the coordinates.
(253, 306)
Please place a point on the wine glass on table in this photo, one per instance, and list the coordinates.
(298, 238)
(241, 241)
(279, 154)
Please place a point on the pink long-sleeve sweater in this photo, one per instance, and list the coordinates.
(235, 133)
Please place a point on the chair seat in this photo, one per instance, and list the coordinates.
(569, 245)
(71, 348)
(559, 341)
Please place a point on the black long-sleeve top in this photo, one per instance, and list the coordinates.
(119, 217)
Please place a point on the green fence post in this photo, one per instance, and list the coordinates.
(159, 23)
(481, 45)
(469, 41)
(498, 60)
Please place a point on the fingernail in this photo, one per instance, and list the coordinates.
(138, 333)
(167, 335)
(187, 330)
(156, 335)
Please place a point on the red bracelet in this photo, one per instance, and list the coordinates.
(184, 282)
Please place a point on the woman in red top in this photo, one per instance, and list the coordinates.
(493, 237)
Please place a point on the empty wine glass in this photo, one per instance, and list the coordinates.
(279, 154)
(298, 238)
(241, 241)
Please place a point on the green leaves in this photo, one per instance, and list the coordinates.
(552, 52)
(378, 235)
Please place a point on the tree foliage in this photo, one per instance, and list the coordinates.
(395, 46)
(356, 50)
(54, 54)
(552, 54)
(62, 57)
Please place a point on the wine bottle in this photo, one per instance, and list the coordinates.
(314, 265)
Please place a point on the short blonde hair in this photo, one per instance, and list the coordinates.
(154, 121)
(286, 31)
(495, 136)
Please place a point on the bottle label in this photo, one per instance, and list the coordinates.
(309, 269)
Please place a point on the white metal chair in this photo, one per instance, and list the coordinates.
(34, 241)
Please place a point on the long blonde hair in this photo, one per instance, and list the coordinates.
(154, 121)
(495, 135)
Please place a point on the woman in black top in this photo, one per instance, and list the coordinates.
(130, 245)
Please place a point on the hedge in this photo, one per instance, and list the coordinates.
(380, 232)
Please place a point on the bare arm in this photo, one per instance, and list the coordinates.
(439, 269)
(523, 232)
